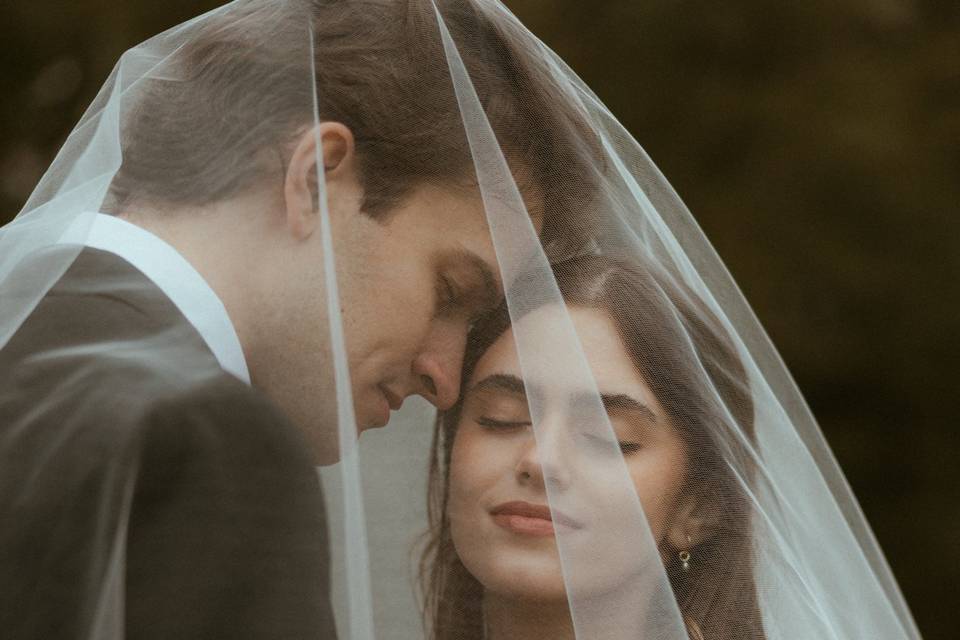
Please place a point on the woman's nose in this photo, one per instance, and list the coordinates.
(541, 460)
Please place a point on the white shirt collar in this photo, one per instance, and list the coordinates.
(174, 276)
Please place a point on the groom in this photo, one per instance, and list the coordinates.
(164, 405)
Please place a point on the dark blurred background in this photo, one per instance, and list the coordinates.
(816, 141)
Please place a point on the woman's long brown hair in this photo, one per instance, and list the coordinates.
(691, 365)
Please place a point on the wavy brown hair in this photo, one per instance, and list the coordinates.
(690, 363)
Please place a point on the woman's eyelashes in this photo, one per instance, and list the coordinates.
(603, 444)
(597, 443)
(629, 447)
(502, 424)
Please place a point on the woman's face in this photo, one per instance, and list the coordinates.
(612, 502)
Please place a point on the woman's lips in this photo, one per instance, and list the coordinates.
(531, 519)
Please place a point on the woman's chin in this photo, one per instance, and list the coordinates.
(531, 578)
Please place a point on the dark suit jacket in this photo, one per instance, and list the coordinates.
(143, 491)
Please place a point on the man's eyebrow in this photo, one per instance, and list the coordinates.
(501, 382)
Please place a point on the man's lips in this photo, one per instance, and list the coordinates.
(389, 401)
(531, 519)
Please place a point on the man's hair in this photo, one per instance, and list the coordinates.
(220, 114)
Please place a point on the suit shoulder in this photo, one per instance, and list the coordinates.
(117, 408)
(224, 418)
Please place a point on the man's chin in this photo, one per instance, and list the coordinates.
(326, 444)
(325, 458)
(327, 448)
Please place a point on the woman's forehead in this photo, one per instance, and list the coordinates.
(551, 362)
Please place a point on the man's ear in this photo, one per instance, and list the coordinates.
(300, 189)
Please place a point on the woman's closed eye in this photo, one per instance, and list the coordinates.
(603, 444)
(502, 423)
(627, 447)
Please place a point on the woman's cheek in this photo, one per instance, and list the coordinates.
(658, 481)
(464, 468)
(478, 460)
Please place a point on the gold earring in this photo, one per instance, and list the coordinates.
(685, 557)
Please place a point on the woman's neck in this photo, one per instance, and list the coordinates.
(510, 618)
(602, 617)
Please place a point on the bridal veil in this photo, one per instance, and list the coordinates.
(192, 115)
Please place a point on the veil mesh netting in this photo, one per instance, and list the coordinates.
(623, 383)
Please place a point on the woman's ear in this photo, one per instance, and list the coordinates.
(301, 183)
(693, 523)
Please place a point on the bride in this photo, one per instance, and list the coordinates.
(674, 389)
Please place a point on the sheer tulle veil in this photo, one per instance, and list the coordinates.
(459, 94)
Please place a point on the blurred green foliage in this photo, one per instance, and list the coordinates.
(818, 144)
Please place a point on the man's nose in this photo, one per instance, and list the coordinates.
(437, 371)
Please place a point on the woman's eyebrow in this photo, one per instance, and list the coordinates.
(611, 401)
(501, 382)
(617, 402)
(627, 403)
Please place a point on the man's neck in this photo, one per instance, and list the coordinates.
(220, 242)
